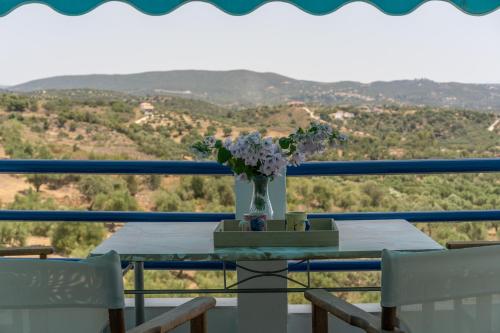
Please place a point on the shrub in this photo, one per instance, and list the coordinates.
(17, 232)
(227, 131)
(132, 185)
(171, 202)
(197, 185)
(90, 186)
(14, 233)
(119, 200)
(153, 182)
(70, 236)
(17, 104)
(121, 107)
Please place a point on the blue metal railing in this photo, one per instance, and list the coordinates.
(110, 216)
(390, 167)
(211, 168)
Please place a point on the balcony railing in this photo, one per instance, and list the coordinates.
(392, 167)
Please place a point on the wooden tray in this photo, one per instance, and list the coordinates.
(323, 232)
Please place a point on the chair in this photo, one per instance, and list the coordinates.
(428, 292)
(41, 251)
(454, 245)
(44, 296)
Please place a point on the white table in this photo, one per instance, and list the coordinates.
(140, 242)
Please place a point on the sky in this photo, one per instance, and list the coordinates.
(357, 42)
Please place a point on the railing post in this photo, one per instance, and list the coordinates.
(139, 298)
(263, 313)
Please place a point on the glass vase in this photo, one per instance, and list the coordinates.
(261, 204)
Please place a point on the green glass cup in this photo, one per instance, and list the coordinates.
(296, 221)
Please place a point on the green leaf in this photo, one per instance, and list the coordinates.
(284, 143)
(223, 155)
(239, 166)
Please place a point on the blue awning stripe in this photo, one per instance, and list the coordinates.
(243, 7)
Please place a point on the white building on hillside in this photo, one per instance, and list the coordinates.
(341, 115)
(147, 108)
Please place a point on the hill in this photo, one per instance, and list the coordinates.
(248, 88)
(91, 124)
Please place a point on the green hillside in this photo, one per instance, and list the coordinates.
(92, 124)
(247, 88)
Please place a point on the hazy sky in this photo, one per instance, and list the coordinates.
(355, 43)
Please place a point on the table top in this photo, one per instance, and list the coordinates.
(162, 241)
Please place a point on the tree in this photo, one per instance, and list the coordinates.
(67, 237)
(132, 185)
(29, 201)
(91, 186)
(118, 200)
(211, 130)
(17, 104)
(37, 180)
(227, 131)
(13, 233)
(198, 186)
(121, 107)
(171, 202)
(153, 182)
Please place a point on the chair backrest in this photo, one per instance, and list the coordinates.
(59, 296)
(443, 291)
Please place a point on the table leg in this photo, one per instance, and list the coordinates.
(262, 312)
(139, 298)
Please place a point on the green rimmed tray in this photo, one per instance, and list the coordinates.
(323, 232)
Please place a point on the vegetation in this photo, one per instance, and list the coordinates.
(89, 124)
(247, 88)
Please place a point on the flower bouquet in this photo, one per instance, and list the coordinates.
(258, 159)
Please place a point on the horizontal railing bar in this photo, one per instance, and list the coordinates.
(314, 265)
(393, 167)
(104, 216)
(113, 167)
(246, 290)
(337, 168)
(429, 216)
(109, 216)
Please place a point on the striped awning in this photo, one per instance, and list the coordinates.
(242, 7)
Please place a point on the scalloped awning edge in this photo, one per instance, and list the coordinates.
(243, 7)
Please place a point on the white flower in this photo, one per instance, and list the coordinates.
(227, 143)
(266, 157)
(251, 159)
(297, 158)
(268, 142)
(254, 138)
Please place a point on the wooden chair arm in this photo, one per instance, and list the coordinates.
(455, 245)
(344, 311)
(41, 251)
(194, 311)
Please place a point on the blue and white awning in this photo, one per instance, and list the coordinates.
(242, 7)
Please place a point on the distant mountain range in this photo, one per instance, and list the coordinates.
(246, 88)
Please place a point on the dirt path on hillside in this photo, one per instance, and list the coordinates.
(312, 115)
(492, 127)
(10, 185)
